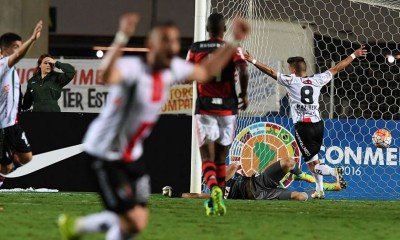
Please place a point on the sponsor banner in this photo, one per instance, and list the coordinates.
(371, 173)
(85, 93)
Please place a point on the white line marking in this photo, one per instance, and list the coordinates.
(45, 159)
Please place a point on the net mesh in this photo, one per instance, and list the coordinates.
(360, 99)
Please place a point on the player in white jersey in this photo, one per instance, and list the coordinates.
(304, 92)
(12, 137)
(114, 139)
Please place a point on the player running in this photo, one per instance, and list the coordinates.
(304, 92)
(216, 108)
(12, 136)
(114, 139)
(261, 186)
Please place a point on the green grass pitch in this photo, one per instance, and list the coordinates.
(33, 216)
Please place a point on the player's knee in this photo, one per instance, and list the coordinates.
(299, 196)
(137, 219)
(24, 158)
(287, 164)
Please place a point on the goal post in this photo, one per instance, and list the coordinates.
(202, 8)
(361, 99)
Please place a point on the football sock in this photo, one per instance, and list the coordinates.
(209, 174)
(97, 222)
(296, 170)
(221, 173)
(325, 170)
(317, 185)
(319, 181)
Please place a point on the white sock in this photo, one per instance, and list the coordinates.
(325, 170)
(319, 182)
(114, 233)
(98, 222)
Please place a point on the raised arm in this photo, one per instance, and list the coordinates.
(20, 53)
(68, 71)
(263, 68)
(127, 26)
(244, 81)
(204, 71)
(361, 52)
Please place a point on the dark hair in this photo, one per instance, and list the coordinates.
(40, 60)
(298, 63)
(8, 38)
(216, 24)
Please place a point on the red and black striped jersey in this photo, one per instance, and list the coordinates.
(217, 97)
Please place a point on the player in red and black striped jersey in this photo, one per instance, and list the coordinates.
(216, 106)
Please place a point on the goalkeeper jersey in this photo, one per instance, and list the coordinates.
(235, 188)
(304, 95)
(132, 108)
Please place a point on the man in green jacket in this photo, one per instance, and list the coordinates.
(44, 88)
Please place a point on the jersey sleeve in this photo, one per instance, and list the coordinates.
(284, 79)
(180, 69)
(323, 78)
(239, 58)
(128, 67)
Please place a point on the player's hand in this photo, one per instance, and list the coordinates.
(128, 23)
(240, 28)
(50, 60)
(361, 52)
(37, 30)
(248, 56)
(244, 101)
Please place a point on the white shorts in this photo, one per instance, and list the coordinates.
(212, 128)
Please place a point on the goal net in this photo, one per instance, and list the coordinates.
(358, 101)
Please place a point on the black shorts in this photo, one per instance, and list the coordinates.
(121, 185)
(13, 139)
(309, 137)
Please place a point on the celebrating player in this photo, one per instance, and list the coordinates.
(263, 186)
(216, 107)
(12, 136)
(114, 139)
(304, 92)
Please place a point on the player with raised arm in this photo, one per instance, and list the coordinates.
(114, 140)
(12, 136)
(216, 108)
(304, 92)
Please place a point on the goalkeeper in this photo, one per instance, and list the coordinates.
(263, 186)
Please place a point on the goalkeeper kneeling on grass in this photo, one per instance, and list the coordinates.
(263, 186)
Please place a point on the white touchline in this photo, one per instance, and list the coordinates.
(45, 159)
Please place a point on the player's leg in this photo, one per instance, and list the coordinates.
(226, 125)
(309, 137)
(18, 141)
(207, 133)
(124, 189)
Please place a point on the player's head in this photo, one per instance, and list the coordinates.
(216, 25)
(297, 65)
(9, 43)
(43, 64)
(164, 43)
